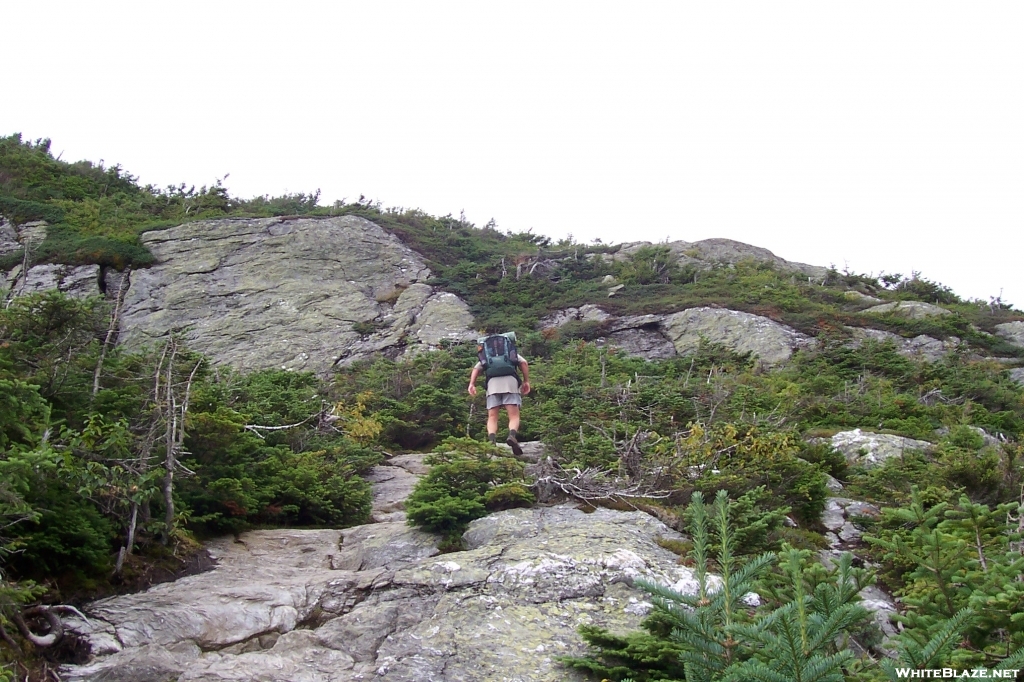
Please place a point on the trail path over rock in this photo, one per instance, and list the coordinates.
(379, 602)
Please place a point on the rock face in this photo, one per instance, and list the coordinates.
(78, 281)
(392, 482)
(768, 340)
(8, 238)
(914, 310)
(863, 448)
(1012, 332)
(659, 337)
(709, 252)
(1018, 375)
(302, 294)
(921, 347)
(860, 297)
(378, 602)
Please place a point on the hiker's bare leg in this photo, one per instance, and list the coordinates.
(513, 418)
(492, 420)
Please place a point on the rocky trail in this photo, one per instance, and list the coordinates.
(379, 602)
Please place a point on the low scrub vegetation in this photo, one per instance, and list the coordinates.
(114, 463)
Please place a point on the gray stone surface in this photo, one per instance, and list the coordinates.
(659, 337)
(1012, 332)
(1017, 374)
(920, 347)
(833, 483)
(771, 342)
(882, 608)
(708, 252)
(928, 348)
(8, 238)
(840, 519)
(915, 310)
(638, 335)
(78, 281)
(860, 297)
(585, 313)
(392, 483)
(390, 608)
(32, 233)
(288, 293)
(870, 450)
(643, 342)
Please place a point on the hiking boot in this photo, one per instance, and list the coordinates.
(514, 444)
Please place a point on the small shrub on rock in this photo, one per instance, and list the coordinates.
(466, 480)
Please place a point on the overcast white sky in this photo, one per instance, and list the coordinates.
(874, 135)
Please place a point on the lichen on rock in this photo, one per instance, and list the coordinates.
(297, 294)
(377, 601)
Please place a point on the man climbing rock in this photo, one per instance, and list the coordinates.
(501, 364)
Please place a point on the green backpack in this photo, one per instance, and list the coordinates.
(497, 353)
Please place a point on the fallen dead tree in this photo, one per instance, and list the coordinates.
(589, 485)
(50, 619)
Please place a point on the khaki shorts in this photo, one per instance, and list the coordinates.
(498, 399)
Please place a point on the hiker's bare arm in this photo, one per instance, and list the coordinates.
(525, 367)
(472, 380)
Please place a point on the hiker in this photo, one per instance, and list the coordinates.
(501, 364)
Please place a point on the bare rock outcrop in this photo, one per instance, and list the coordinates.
(921, 347)
(393, 481)
(840, 520)
(709, 252)
(378, 602)
(659, 337)
(843, 519)
(1012, 332)
(867, 449)
(770, 342)
(77, 281)
(302, 294)
(8, 238)
(914, 310)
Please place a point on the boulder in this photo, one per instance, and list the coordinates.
(769, 341)
(302, 294)
(1017, 374)
(914, 310)
(391, 608)
(1013, 332)
(866, 449)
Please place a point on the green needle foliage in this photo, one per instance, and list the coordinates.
(948, 560)
(466, 481)
(716, 635)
